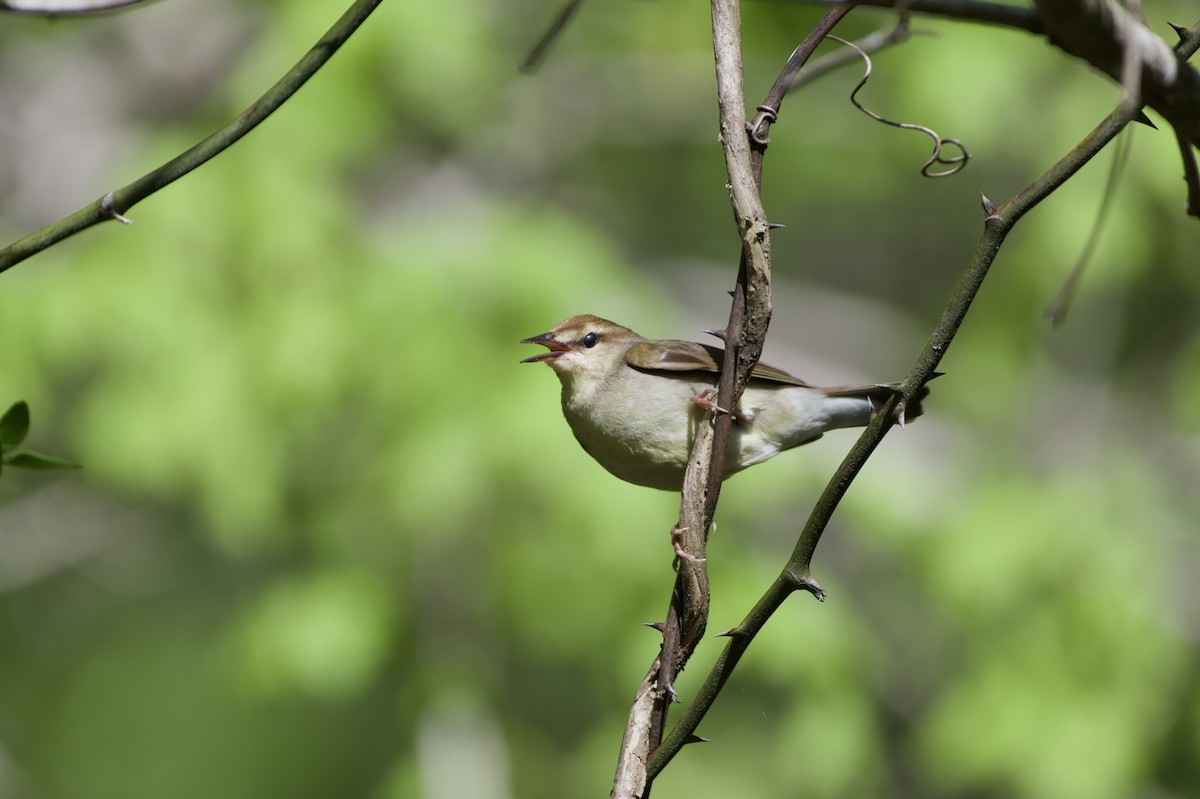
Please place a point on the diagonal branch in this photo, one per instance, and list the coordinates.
(113, 205)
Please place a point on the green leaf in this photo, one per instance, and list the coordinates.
(36, 460)
(14, 425)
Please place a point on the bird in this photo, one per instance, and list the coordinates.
(634, 403)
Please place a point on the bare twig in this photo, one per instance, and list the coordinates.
(114, 204)
(534, 57)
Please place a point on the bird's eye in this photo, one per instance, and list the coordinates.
(590, 340)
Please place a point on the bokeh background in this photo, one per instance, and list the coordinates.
(330, 539)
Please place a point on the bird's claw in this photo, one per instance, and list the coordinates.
(677, 545)
(706, 400)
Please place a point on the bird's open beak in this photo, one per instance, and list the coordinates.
(556, 348)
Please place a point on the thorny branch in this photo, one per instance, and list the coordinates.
(999, 222)
(642, 756)
(749, 317)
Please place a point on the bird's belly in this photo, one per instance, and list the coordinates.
(650, 452)
(652, 449)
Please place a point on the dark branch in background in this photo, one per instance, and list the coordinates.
(1106, 36)
(1003, 14)
(1056, 312)
(113, 205)
(1190, 174)
(534, 57)
(1058, 308)
(796, 573)
(64, 8)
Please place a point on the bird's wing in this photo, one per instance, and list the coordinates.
(688, 356)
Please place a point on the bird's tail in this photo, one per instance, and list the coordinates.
(862, 402)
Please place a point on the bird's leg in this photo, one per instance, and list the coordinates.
(707, 400)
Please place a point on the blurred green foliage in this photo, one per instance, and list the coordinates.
(332, 540)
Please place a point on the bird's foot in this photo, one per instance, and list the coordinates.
(677, 544)
(707, 399)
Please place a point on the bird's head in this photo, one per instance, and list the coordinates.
(583, 347)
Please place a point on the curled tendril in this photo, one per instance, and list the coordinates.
(757, 127)
(955, 163)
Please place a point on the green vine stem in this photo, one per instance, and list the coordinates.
(113, 205)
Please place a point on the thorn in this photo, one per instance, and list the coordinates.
(900, 415)
(775, 226)
(730, 292)
(108, 208)
(989, 207)
(654, 625)
(669, 690)
(1145, 120)
(810, 585)
(696, 739)
(1180, 30)
(718, 333)
(807, 583)
(732, 632)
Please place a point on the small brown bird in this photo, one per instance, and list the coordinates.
(633, 403)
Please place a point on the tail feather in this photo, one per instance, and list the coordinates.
(878, 395)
